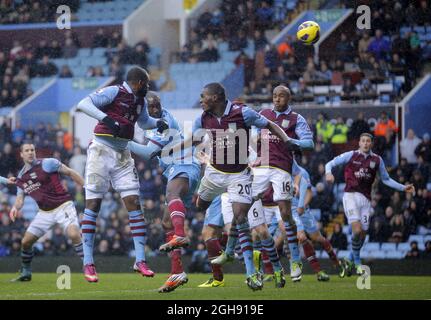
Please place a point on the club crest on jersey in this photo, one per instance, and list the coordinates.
(372, 164)
(285, 123)
(232, 127)
(33, 175)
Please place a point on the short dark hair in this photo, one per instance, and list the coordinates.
(137, 74)
(215, 88)
(367, 134)
(25, 142)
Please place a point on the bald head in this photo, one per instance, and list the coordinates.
(154, 104)
(280, 98)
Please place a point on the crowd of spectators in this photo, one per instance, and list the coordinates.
(359, 61)
(23, 62)
(395, 215)
(29, 11)
(235, 22)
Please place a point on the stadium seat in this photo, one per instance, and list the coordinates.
(395, 255)
(371, 246)
(387, 246)
(343, 254)
(403, 246)
(418, 238)
(384, 87)
(377, 254)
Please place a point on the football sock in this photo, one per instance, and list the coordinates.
(257, 245)
(138, 228)
(232, 240)
(177, 211)
(214, 250)
(26, 258)
(292, 241)
(88, 229)
(310, 255)
(268, 246)
(330, 251)
(267, 265)
(175, 255)
(357, 243)
(246, 247)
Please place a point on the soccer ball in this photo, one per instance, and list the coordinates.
(308, 32)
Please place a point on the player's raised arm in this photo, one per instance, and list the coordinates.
(339, 160)
(387, 180)
(93, 104)
(65, 170)
(302, 130)
(145, 152)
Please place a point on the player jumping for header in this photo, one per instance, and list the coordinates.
(359, 173)
(182, 177)
(109, 161)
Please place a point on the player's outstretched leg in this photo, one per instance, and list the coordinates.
(177, 212)
(27, 255)
(88, 229)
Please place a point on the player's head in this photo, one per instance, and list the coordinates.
(281, 97)
(137, 78)
(154, 105)
(366, 142)
(28, 152)
(213, 94)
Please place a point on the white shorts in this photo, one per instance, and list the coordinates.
(271, 213)
(357, 207)
(107, 166)
(65, 215)
(255, 215)
(280, 180)
(237, 185)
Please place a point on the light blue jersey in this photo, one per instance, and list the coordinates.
(181, 164)
(3, 180)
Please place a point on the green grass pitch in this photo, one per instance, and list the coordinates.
(132, 286)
